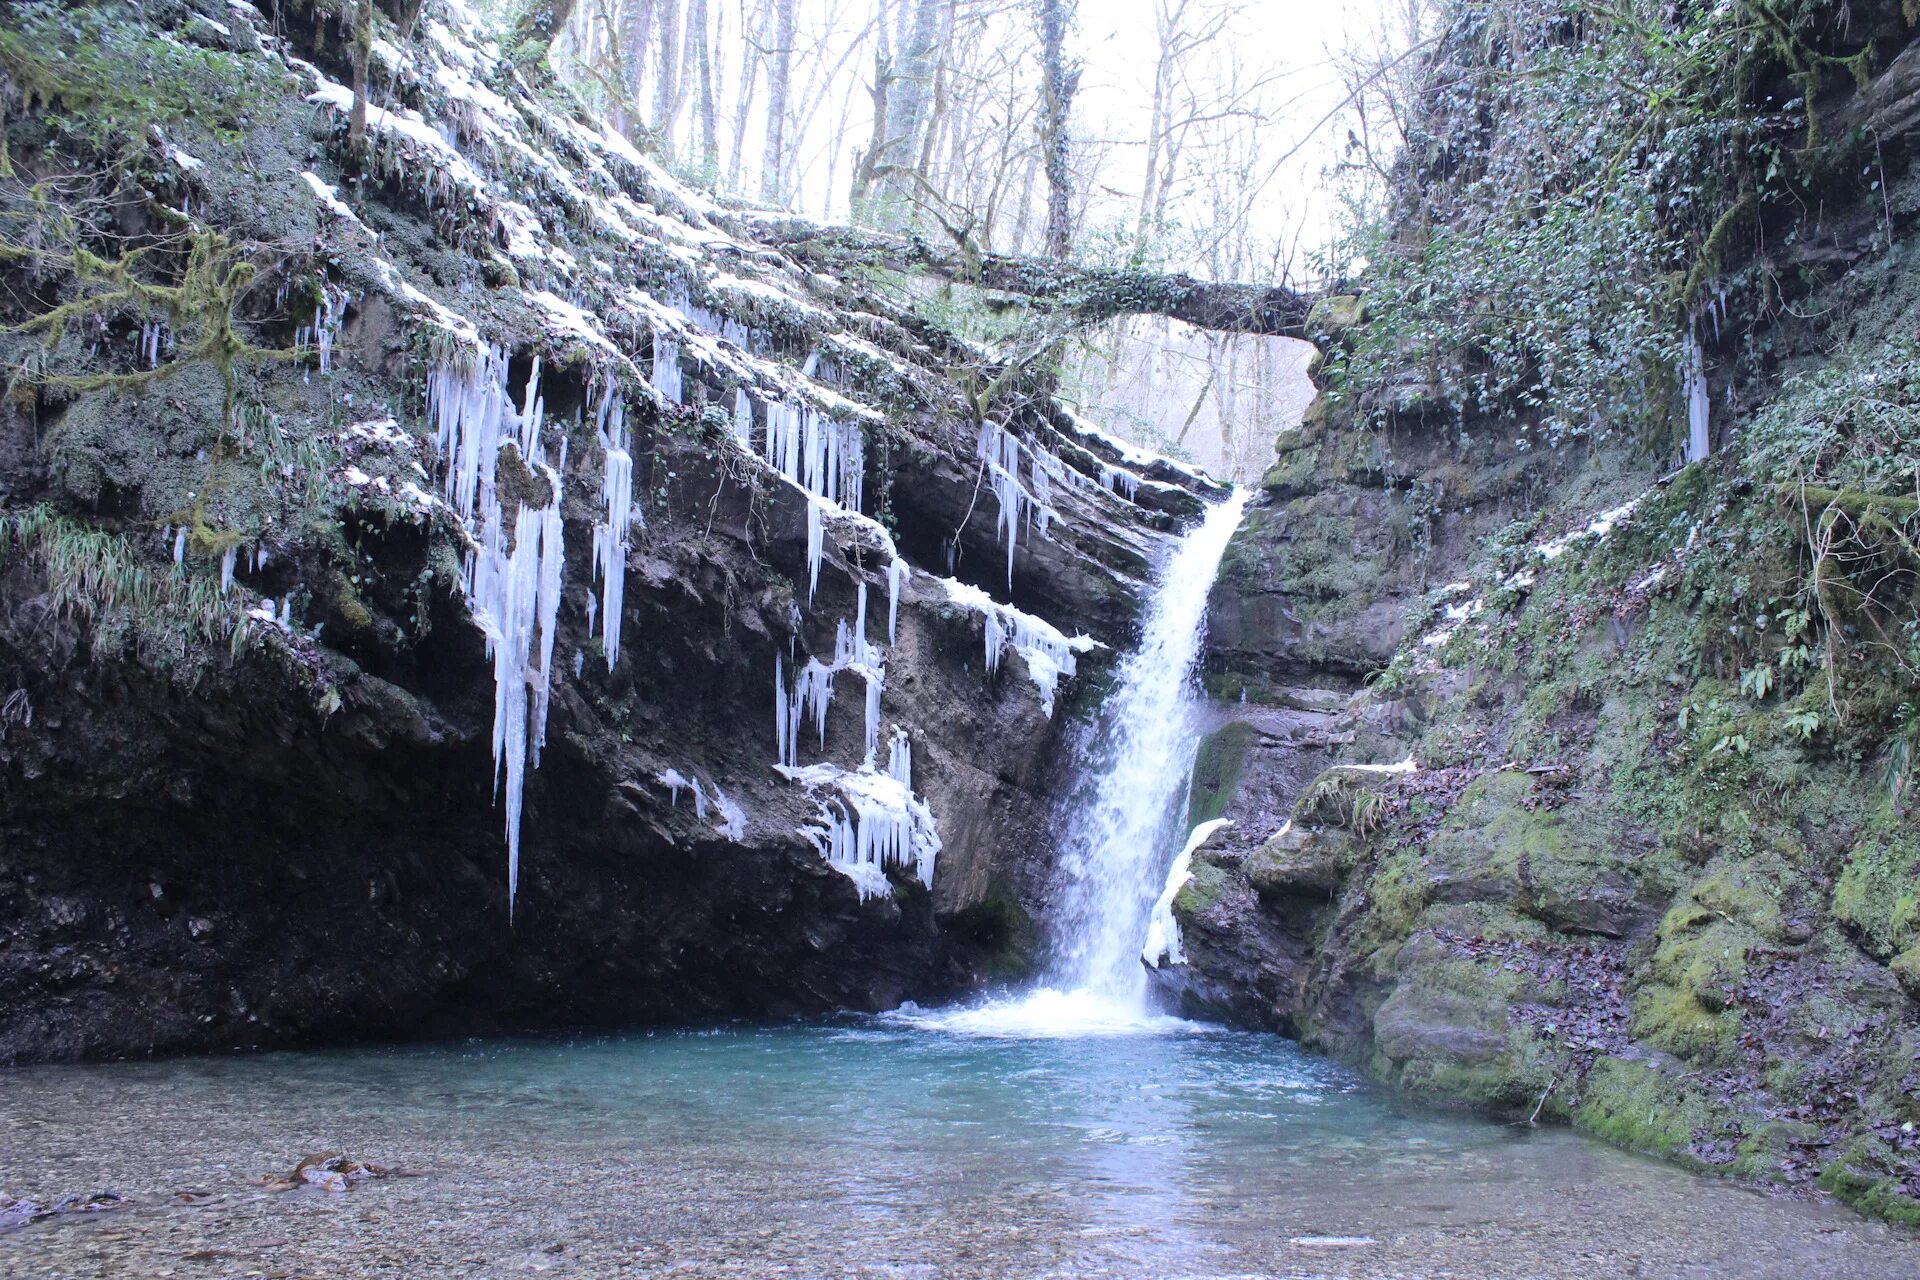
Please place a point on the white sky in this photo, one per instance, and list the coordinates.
(1292, 39)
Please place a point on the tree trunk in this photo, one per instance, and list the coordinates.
(743, 104)
(1058, 81)
(867, 168)
(362, 54)
(543, 21)
(901, 147)
(666, 84)
(636, 33)
(779, 104)
(700, 55)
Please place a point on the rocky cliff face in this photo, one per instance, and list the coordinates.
(1647, 863)
(373, 505)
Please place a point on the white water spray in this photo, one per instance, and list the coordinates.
(1129, 817)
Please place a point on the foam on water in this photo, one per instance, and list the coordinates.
(1048, 1013)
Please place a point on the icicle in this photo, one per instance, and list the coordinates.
(900, 759)
(999, 453)
(733, 820)
(666, 367)
(743, 418)
(514, 597)
(227, 559)
(782, 712)
(868, 824)
(896, 573)
(876, 681)
(611, 535)
(180, 545)
(1049, 655)
(816, 542)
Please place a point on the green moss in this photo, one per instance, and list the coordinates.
(1001, 937)
(1878, 890)
(1861, 1177)
(1216, 772)
(1202, 889)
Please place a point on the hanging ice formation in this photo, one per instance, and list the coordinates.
(512, 589)
(743, 418)
(666, 367)
(897, 572)
(732, 820)
(869, 823)
(811, 690)
(327, 315)
(826, 458)
(1693, 377)
(1049, 654)
(999, 452)
(873, 822)
(900, 758)
(610, 540)
(1121, 481)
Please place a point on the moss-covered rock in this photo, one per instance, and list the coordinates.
(1302, 860)
(1216, 771)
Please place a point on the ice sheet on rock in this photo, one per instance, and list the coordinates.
(1163, 944)
(1133, 455)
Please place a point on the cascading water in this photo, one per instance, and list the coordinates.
(1128, 816)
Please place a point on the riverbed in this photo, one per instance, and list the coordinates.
(907, 1146)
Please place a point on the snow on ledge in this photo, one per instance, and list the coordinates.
(1163, 946)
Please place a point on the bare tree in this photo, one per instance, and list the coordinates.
(362, 54)
(1059, 81)
(666, 84)
(747, 88)
(779, 102)
(907, 114)
(700, 59)
(636, 34)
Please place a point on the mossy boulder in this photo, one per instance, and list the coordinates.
(1496, 846)
(1203, 888)
(1301, 861)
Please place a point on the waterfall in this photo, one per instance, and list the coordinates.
(1129, 814)
(1127, 818)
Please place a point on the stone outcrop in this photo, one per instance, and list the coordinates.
(250, 778)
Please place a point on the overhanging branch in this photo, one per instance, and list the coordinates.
(1084, 295)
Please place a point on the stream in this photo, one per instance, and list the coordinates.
(936, 1145)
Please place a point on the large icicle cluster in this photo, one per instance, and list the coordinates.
(871, 820)
(1049, 654)
(869, 823)
(999, 452)
(806, 697)
(610, 536)
(826, 458)
(512, 587)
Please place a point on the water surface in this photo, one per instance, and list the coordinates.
(914, 1146)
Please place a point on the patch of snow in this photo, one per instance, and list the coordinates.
(1163, 946)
